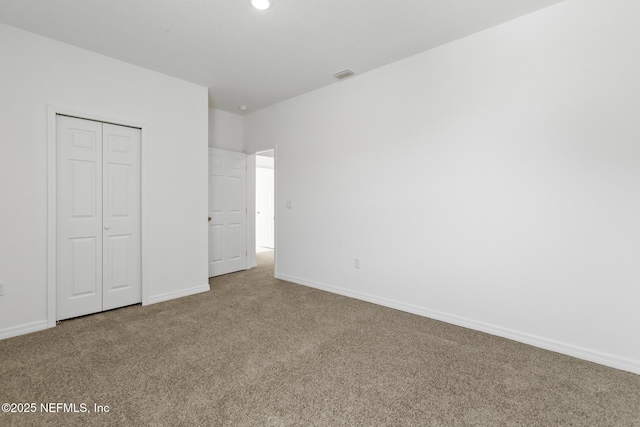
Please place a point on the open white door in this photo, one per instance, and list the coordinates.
(228, 211)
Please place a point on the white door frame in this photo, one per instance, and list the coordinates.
(251, 207)
(52, 111)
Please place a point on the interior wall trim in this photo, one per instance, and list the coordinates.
(178, 294)
(25, 328)
(601, 358)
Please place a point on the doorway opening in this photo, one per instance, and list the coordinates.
(265, 229)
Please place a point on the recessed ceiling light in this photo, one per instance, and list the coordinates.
(243, 107)
(261, 4)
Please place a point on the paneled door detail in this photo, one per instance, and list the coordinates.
(228, 211)
(98, 217)
(121, 216)
(79, 216)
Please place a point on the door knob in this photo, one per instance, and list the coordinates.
(107, 227)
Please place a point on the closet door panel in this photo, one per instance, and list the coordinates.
(78, 217)
(121, 211)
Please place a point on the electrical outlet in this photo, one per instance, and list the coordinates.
(1, 289)
(289, 204)
(356, 262)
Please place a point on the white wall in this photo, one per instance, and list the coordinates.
(492, 182)
(37, 72)
(225, 130)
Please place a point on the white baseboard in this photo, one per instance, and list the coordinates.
(26, 328)
(610, 360)
(178, 294)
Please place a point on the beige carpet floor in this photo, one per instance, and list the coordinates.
(255, 351)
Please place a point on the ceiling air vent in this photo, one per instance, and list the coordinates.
(341, 75)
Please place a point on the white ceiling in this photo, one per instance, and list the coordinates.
(258, 58)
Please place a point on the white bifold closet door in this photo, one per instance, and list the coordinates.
(98, 217)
